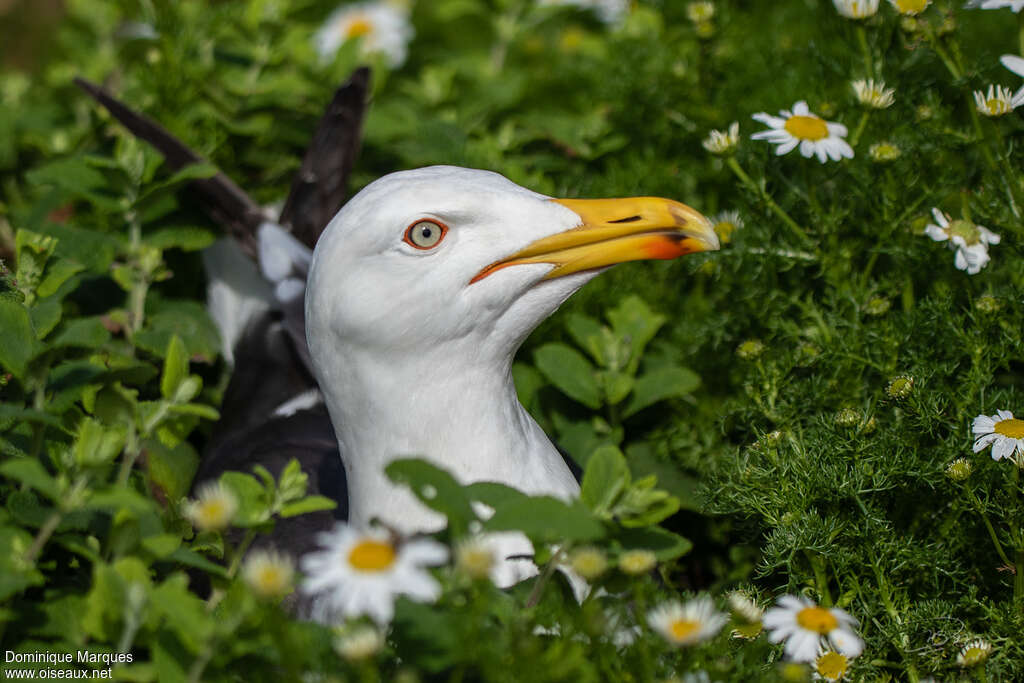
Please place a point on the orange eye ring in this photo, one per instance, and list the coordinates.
(425, 233)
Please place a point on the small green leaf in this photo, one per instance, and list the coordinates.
(253, 500)
(175, 368)
(546, 520)
(586, 332)
(45, 315)
(606, 476)
(664, 544)
(57, 273)
(88, 333)
(435, 488)
(635, 322)
(570, 372)
(17, 338)
(171, 469)
(657, 385)
(30, 472)
(308, 504)
(617, 385)
(97, 444)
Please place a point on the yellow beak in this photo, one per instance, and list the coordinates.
(616, 231)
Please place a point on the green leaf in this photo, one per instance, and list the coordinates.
(171, 469)
(30, 472)
(45, 315)
(657, 385)
(617, 385)
(161, 545)
(57, 273)
(528, 383)
(17, 338)
(96, 443)
(175, 368)
(587, 333)
(570, 372)
(187, 319)
(15, 574)
(293, 482)
(184, 237)
(492, 493)
(664, 544)
(606, 476)
(74, 174)
(546, 520)
(308, 504)
(189, 558)
(253, 499)
(88, 333)
(635, 322)
(436, 489)
(185, 613)
(643, 505)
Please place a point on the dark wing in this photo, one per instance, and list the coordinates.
(225, 201)
(320, 186)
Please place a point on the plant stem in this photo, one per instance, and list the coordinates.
(860, 127)
(862, 39)
(820, 577)
(778, 210)
(43, 535)
(991, 530)
(549, 570)
(1020, 32)
(890, 609)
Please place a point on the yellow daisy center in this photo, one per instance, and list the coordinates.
(831, 666)
(817, 619)
(965, 229)
(212, 513)
(973, 655)
(1012, 428)
(371, 556)
(360, 26)
(806, 127)
(997, 106)
(681, 629)
(725, 229)
(748, 631)
(911, 6)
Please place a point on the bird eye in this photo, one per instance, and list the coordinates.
(425, 234)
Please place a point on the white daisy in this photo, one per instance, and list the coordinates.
(910, 7)
(359, 642)
(856, 9)
(998, 101)
(608, 11)
(687, 624)
(831, 666)
(813, 134)
(361, 573)
(268, 573)
(970, 241)
(725, 224)
(1002, 431)
(723, 141)
(475, 557)
(214, 507)
(974, 652)
(873, 93)
(806, 628)
(1015, 5)
(382, 27)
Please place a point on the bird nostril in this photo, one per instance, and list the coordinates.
(630, 219)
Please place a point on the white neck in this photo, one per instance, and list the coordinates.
(458, 410)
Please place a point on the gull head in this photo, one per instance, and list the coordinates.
(456, 262)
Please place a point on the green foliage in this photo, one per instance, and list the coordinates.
(754, 383)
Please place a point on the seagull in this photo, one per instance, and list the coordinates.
(417, 296)
(419, 293)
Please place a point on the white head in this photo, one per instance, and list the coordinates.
(398, 270)
(420, 291)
